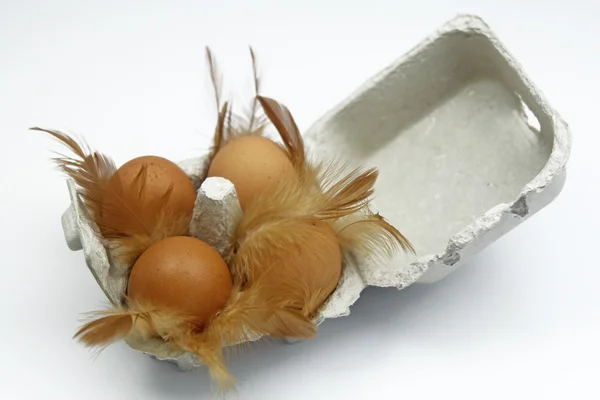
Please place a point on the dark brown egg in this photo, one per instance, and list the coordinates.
(253, 164)
(184, 274)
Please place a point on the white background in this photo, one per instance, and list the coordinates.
(520, 321)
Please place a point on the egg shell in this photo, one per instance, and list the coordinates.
(160, 175)
(184, 274)
(253, 164)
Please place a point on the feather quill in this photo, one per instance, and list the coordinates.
(256, 121)
(230, 124)
(371, 235)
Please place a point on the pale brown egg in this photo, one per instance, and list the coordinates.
(253, 164)
(184, 274)
(160, 175)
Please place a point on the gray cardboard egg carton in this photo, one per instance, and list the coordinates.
(467, 147)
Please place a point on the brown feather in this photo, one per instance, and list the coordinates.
(253, 118)
(251, 121)
(277, 292)
(284, 122)
(371, 235)
(342, 195)
(322, 191)
(222, 109)
(270, 300)
(278, 241)
(123, 216)
(230, 124)
(258, 310)
(105, 330)
(277, 221)
(346, 205)
(210, 351)
(124, 211)
(137, 319)
(127, 248)
(219, 137)
(215, 77)
(130, 223)
(347, 195)
(91, 171)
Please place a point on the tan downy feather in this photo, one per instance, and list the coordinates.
(136, 319)
(258, 310)
(106, 329)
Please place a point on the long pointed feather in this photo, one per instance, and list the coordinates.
(215, 77)
(284, 122)
(257, 83)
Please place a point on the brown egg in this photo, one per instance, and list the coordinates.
(253, 164)
(182, 273)
(160, 174)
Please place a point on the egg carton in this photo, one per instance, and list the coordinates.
(466, 145)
